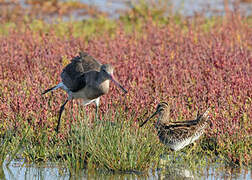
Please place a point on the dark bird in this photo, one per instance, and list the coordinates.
(85, 78)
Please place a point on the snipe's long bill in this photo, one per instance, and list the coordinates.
(179, 134)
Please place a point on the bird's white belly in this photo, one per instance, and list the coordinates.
(83, 95)
(87, 102)
(181, 144)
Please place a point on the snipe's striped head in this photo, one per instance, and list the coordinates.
(161, 107)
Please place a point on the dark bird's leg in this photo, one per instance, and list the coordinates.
(97, 102)
(60, 113)
(96, 111)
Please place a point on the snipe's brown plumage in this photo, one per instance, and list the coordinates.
(179, 134)
(85, 78)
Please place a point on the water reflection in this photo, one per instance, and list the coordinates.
(170, 172)
(167, 170)
(2, 175)
(17, 170)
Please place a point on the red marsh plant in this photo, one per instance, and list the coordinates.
(203, 64)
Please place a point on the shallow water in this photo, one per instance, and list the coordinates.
(20, 171)
(186, 7)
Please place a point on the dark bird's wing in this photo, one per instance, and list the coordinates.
(73, 74)
(80, 82)
(88, 63)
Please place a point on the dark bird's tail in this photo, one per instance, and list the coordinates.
(60, 85)
(48, 90)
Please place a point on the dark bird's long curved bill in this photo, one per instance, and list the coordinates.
(155, 113)
(119, 85)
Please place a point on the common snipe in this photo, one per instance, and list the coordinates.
(179, 134)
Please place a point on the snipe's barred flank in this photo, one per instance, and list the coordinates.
(179, 134)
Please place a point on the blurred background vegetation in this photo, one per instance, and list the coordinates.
(25, 10)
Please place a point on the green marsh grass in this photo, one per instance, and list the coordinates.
(114, 143)
(11, 145)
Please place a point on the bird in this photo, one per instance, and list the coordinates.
(85, 78)
(176, 135)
